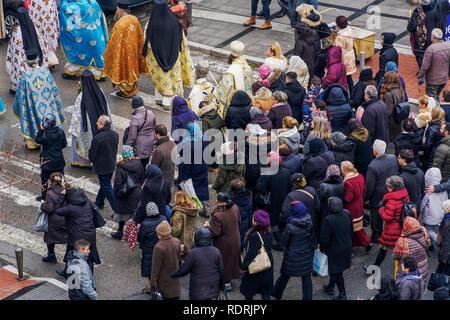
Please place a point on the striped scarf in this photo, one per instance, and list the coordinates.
(421, 30)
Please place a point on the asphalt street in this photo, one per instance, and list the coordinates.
(118, 277)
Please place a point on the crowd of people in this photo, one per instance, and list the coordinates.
(330, 183)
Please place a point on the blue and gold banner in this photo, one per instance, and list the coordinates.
(84, 33)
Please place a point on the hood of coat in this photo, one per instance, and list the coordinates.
(301, 222)
(433, 177)
(179, 106)
(132, 165)
(241, 197)
(54, 133)
(335, 95)
(74, 255)
(410, 168)
(208, 112)
(346, 146)
(430, 6)
(334, 55)
(446, 140)
(263, 94)
(187, 211)
(76, 197)
(274, 76)
(389, 39)
(396, 195)
(294, 86)
(412, 275)
(335, 205)
(202, 237)
(240, 99)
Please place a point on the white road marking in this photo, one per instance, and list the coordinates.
(15, 125)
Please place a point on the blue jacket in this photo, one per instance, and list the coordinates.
(243, 200)
(337, 100)
(410, 286)
(83, 281)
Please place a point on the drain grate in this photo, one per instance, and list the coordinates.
(46, 291)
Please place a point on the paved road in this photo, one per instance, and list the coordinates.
(118, 277)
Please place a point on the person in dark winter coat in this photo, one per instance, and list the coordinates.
(331, 186)
(304, 45)
(261, 282)
(148, 238)
(189, 168)
(243, 199)
(411, 285)
(224, 227)
(156, 189)
(316, 163)
(102, 154)
(289, 160)
(336, 242)
(391, 93)
(380, 168)
(278, 185)
(358, 94)
(391, 212)
(303, 193)
(423, 20)
(432, 137)
(410, 139)
(79, 224)
(342, 148)
(279, 110)
(442, 153)
(444, 240)
(56, 233)
(231, 166)
(210, 117)
(129, 167)
(238, 113)
(205, 266)
(387, 54)
(296, 94)
(181, 114)
(299, 241)
(336, 98)
(141, 133)
(52, 140)
(322, 58)
(162, 155)
(363, 145)
(258, 117)
(336, 71)
(375, 116)
(277, 80)
(387, 291)
(412, 176)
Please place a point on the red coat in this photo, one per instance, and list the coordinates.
(353, 196)
(337, 73)
(392, 209)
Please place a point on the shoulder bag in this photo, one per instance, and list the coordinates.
(127, 130)
(261, 261)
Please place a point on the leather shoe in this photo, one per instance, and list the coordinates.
(328, 289)
(62, 273)
(51, 258)
(117, 235)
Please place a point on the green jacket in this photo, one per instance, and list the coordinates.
(442, 158)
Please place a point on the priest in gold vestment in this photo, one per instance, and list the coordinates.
(123, 60)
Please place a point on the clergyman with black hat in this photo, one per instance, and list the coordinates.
(123, 60)
(36, 97)
(141, 134)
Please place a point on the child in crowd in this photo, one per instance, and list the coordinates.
(315, 92)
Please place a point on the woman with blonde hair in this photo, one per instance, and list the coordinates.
(289, 134)
(426, 104)
(320, 130)
(56, 233)
(391, 93)
(276, 60)
(184, 219)
(432, 137)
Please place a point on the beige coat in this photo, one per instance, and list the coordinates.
(346, 39)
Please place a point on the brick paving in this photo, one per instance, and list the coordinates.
(407, 68)
(9, 283)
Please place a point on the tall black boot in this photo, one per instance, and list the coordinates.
(63, 273)
(118, 235)
(51, 257)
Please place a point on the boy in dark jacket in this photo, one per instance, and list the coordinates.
(410, 285)
(315, 92)
(296, 94)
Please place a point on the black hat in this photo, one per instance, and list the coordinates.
(32, 54)
(137, 102)
(123, 4)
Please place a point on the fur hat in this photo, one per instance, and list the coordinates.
(163, 229)
(237, 48)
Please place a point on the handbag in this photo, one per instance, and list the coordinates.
(320, 263)
(127, 187)
(437, 280)
(41, 224)
(98, 219)
(261, 261)
(156, 295)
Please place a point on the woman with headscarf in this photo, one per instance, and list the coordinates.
(127, 168)
(193, 165)
(23, 37)
(331, 186)
(297, 65)
(167, 54)
(300, 242)
(181, 114)
(355, 186)
(357, 96)
(89, 106)
(259, 118)
(363, 145)
(336, 242)
(346, 39)
(224, 227)
(414, 241)
(156, 189)
(259, 234)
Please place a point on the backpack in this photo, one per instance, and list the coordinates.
(401, 111)
(409, 210)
